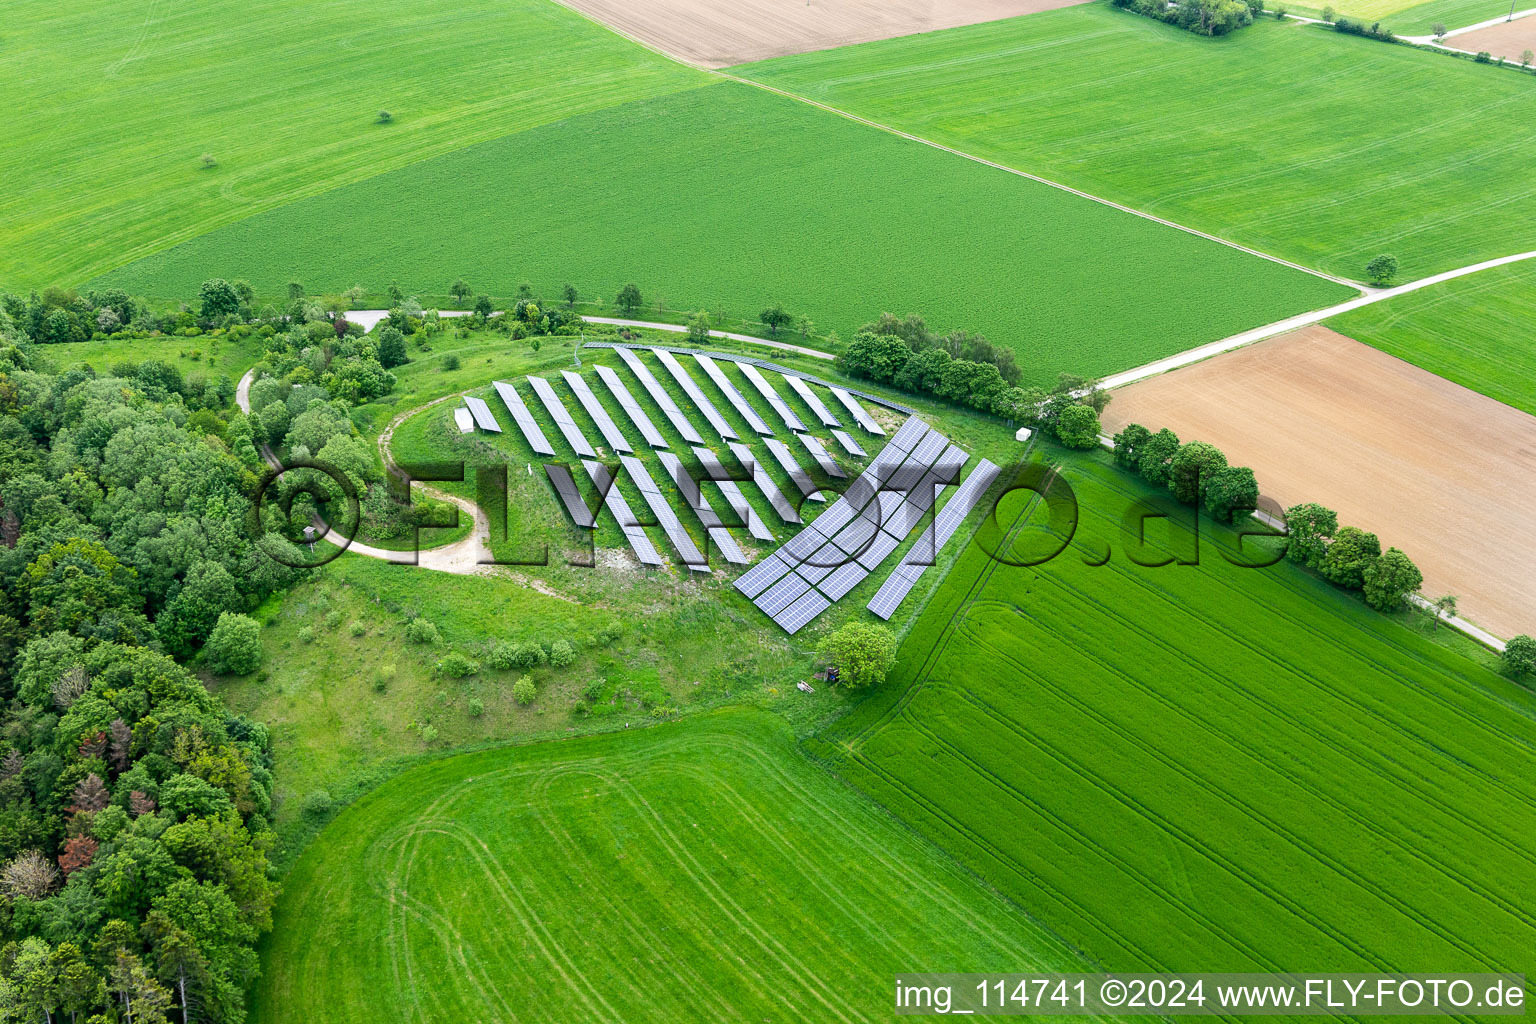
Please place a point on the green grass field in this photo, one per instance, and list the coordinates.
(213, 356)
(1420, 19)
(284, 95)
(697, 870)
(1324, 149)
(1475, 331)
(729, 197)
(1207, 767)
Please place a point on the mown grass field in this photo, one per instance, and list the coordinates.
(732, 198)
(1420, 19)
(212, 356)
(696, 870)
(1475, 331)
(1208, 767)
(284, 95)
(1321, 148)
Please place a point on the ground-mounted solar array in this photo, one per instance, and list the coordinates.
(610, 430)
(482, 414)
(532, 432)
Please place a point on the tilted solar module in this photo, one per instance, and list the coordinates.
(562, 417)
(782, 594)
(927, 451)
(813, 400)
(797, 473)
(762, 575)
(694, 496)
(843, 579)
(525, 421)
(850, 446)
(660, 396)
(778, 404)
(482, 414)
(797, 615)
(857, 411)
(694, 392)
(891, 593)
(627, 402)
(689, 552)
(565, 486)
(823, 458)
(922, 554)
(878, 551)
(765, 484)
(716, 471)
(589, 402)
(732, 395)
(911, 432)
(614, 502)
(834, 516)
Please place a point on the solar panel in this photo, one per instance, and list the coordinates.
(964, 500)
(525, 421)
(732, 395)
(565, 486)
(627, 402)
(822, 456)
(482, 414)
(843, 579)
(890, 595)
(694, 393)
(782, 594)
(733, 496)
(910, 433)
(850, 446)
(925, 552)
(689, 487)
(557, 412)
(774, 400)
(615, 503)
(795, 617)
(804, 391)
(589, 402)
(765, 484)
(762, 575)
(834, 517)
(856, 537)
(904, 519)
(928, 450)
(686, 548)
(800, 547)
(856, 410)
(786, 461)
(878, 551)
(659, 396)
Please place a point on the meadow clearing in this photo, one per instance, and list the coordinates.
(1325, 149)
(834, 219)
(636, 876)
(284, 96)
(1205, 766)
(1475, 331)
(1436, 470)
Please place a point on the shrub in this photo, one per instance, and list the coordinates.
(306, 635)
(357, 629)
(1078, 427)
(528, 655)
(1520, 655)
(476, 707)
(333, 619)
(503, 656)
(317, 805)
(209, 160)
(457, 666)
(1389, 579)
(1280, 13)
(429, 734)
(1484, 57)
(561, 654)
(523, 691)
(234, 646)
(450, 363)
(420, 631)
(383, 677)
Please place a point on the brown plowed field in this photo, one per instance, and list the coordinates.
(1445, 474)
(1508, 40)
(718, 33)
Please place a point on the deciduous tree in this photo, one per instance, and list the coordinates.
(862, 652)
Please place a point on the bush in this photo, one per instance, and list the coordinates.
(317, 806)
(450, 362)
(503, 656)
(234, 646)
(383, 677)
(420, 631)
(1520, 655)
(1484, 57)
(357, 629)
(561, 654)
(457, 666)
(476, 707)
(306, 635)
(528, 655)
(523, 691)
(1078, 427)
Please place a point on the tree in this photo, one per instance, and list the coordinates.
(190, 616)
(1078, 427)
(1445, 608)
(774, 317)
(484, 307)
(862, 652)
(1352, 550)
(805, 325)
(698, 328)
(1328, 14)
(1389, 579)
(78, 853)
(395, 293)
(1520, 655)
(1156, 455)
(1128, 444)
(629, 298)
(29, 875)
(295, 291)
(523, 691)
(1191, 470)
(219, 299)
(460, 291)
(879, 357)
(571, 295)
(1526, 56)
(1438, 29)
(391, 348)
(1310, 527)
(1231, 490)
(1382, 269)
(234, 647)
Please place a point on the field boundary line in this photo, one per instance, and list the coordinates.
(1502, 19)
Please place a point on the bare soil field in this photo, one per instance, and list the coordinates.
(1508, 40)
(1445, 474)
(718, 33)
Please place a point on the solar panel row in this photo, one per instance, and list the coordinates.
(694, 392)
(733, 496)
(565, 486)
(849, 444)
(686, 548)
(764, 482)
(589, 402)
(731, 393)
(659, 395)
(694, 496)
(786, 461)
(627, 401)
(525, 421)
(814, 401)
(778, 404)
(614, 502)
(557, 412)
(482, 414)
(822, 456)
(856, 410)
(906, 575)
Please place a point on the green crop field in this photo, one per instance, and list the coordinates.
(639, 876)
(1207, 767)
(1474, 330)
(731, 198)
(1420, 19)
(284, 95)
(1321, 148)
